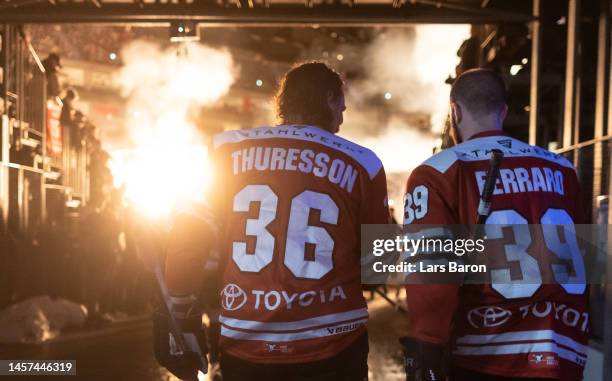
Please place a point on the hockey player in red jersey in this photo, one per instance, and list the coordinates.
(507, 329)
(288, 204)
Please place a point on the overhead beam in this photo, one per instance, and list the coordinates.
(457, 6)
(534, 91)
(276, 14)
(601, 83)
(572, 55)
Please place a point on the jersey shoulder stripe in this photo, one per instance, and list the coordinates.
(365, 157)
(480, 149)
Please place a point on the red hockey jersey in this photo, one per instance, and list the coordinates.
(506, 327)
(290, 201)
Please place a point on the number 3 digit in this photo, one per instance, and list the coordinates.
(264, 248)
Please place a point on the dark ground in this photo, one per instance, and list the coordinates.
(124, 352)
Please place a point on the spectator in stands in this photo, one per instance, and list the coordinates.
(71, 118)
(68, 109)
(52, 65)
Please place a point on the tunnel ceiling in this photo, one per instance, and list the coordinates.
(264, 12)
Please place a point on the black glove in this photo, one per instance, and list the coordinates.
(184, 366)
(423, 361)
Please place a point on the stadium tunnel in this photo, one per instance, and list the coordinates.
(56, 177)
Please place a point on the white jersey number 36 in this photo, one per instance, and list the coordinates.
(299, 233)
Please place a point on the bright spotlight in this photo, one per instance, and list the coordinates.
(514, 69)
(388, 96)
(339, 57)
(112, 56)
(259, 83)
(184, 31)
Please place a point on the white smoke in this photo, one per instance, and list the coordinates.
(159, 83)
(411, 64)
(165, 156)
(400, 144)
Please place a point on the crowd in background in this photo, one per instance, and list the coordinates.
(101, 266)
(93, 44)
(84, 251)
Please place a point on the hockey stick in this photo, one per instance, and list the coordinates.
(149, 255)
(395, 305)
(484, 207)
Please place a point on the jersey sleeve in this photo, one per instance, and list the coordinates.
(429, 200)
(375, 208)
(191, 240)
(192, 248)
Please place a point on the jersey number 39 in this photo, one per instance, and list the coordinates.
(571, 275)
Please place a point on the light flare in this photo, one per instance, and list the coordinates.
(165, 160)
(162, 170)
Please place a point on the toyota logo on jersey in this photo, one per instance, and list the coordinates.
(488, 316)
(233, 297)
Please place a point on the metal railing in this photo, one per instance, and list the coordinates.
(66, 251)
(592, 161)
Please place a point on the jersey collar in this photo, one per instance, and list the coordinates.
(484, 134)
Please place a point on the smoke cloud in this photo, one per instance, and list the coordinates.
(165, 158)
(411, 65)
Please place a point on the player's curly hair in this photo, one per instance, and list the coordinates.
(302, 95)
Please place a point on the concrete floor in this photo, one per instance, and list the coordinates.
(127, 353)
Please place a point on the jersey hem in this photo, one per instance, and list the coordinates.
(306, 358)
(504, 372)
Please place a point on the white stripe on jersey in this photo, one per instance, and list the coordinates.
(479, 149)
(498, 344)
(294, 336)
(368, 159)
(323, 320)
(512, 349)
